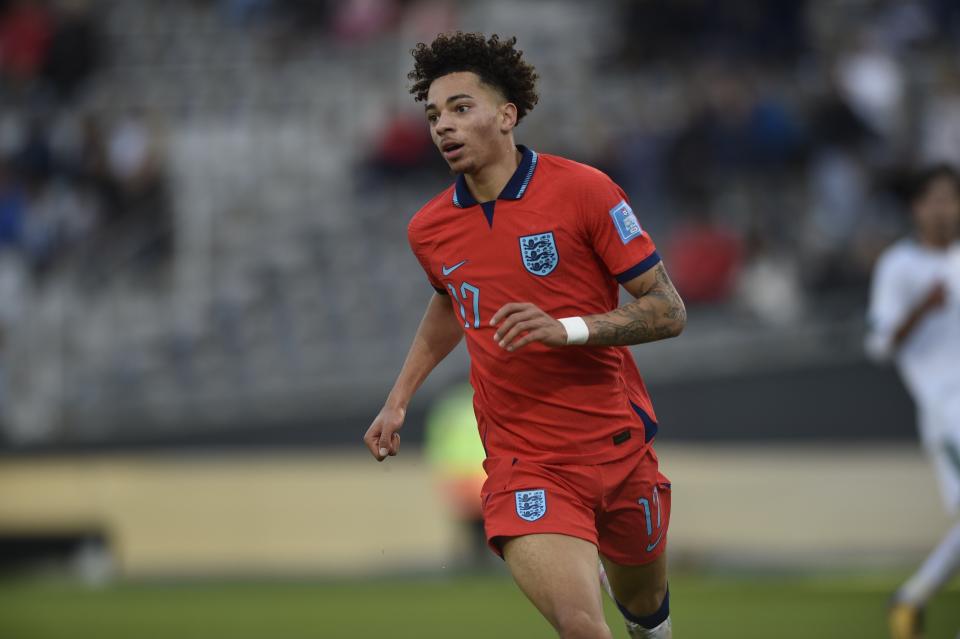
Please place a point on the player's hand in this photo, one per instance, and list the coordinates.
(519, 323)
(382, 437)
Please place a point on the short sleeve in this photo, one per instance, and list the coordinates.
(418, 251)
(615, 231)
(887, 307)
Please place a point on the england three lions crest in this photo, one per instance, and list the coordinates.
(531, 504)
(539, 253)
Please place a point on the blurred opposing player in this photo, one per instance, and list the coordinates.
(525, 252)
(915, 318)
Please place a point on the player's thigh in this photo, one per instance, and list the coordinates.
(640, 589)
(521, 498)
(558, 573)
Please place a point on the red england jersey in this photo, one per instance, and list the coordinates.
(561, 235)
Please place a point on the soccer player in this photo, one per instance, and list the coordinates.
(914, 317)
(526, 252)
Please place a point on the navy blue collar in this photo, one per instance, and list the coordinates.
(514, 189)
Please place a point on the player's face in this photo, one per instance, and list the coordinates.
(937, 211)
(466, 119)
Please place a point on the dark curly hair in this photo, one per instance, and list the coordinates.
(921, 180)
(498, 64)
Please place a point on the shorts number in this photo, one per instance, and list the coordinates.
(646, 510)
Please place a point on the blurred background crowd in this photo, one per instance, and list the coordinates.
(206, 292)
(203, 202)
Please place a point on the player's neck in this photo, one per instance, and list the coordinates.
(933, 242)
(487, 183)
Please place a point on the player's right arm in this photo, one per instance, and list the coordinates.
(934, 299)
(439, 332)
(892, 316)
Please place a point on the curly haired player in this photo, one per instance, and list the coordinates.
(914, 319)
(526, 252)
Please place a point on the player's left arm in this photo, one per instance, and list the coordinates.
(656, 313)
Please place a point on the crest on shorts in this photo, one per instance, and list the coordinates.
(531, 504)
(539, 253)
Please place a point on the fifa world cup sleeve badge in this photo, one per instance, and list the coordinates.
(626, 221)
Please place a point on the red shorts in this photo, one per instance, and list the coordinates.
(622, 507)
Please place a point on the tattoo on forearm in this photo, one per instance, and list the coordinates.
(657, 314)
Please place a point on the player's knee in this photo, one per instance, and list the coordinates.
(579, 624)
(646, 601)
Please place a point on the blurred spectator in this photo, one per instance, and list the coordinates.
(423, 19)
(838, 188)
(838, 185)
(940, 117)
(705, 258)
(75, 48)
(310, 16)
(657, 30)
(873, 83)
(945, 17)
(87, 160)
(403, 149)
(769, 285)
(733, 129)
(360, 20)
(12, 209)
(834, 124)
(58, 218)
(141, 226)
(34, 159)
(243, 12)
(25, 33)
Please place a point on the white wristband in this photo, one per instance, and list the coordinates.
(577, 331)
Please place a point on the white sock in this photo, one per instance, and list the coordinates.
(936, 570)
(663, 631)
(605, 583)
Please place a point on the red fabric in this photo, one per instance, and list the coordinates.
(552, 405)
(622, 507)
(360, 20)
(704, 263)
(405, 143)
(25, 34)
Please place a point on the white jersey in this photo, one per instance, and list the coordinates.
(929, 359)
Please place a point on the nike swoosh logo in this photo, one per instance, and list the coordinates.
(654, 544)
(448, 271)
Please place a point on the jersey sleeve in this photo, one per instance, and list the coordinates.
(417, 246)
(887, 308)
(623, 245)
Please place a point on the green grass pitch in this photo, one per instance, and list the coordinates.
(464, 607)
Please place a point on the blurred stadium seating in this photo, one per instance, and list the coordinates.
(288, 294)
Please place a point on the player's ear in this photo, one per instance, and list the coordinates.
(508, 117)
